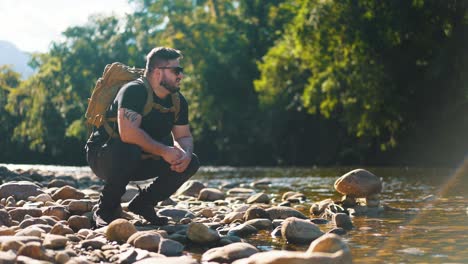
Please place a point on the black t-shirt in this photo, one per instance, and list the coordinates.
(158, 125)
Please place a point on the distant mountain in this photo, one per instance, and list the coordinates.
(11, 55)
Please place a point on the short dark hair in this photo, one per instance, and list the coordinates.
(158, 57)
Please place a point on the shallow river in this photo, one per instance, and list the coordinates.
(433, 228)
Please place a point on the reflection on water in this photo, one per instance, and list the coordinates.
(433, 228)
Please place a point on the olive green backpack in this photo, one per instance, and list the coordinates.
(114, 77)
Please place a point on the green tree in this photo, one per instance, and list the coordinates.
(51, 104)
(373, 66)
(9, 82)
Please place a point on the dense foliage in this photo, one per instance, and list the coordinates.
(288, 82)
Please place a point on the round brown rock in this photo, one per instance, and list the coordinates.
(358, 183)
(328, 243)
(120, 230)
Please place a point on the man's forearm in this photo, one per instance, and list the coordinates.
(185, 143)
(147, 144)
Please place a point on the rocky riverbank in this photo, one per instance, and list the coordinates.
(48, 219)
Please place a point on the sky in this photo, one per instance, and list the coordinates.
(31, 25)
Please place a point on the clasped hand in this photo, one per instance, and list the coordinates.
(177, 158)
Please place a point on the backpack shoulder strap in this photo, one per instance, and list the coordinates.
(176, 105)
(149, 99)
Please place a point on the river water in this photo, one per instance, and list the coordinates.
(431, 228)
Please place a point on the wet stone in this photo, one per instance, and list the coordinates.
(293, 196)
(255, 212)
(170, 247)
(281, 212)
(264, 183)
(260, 223)
(229, 253)
(242, 230)
(299, 231)
(319, 221)
(201, 234)
(358, 183)
(343, 220)
(328, 243)
(338, 231)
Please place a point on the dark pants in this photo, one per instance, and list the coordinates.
(118, 163)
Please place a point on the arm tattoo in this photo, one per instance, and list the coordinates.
(130, 115)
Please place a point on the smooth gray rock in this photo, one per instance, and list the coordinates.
(20, 190)
(299, 231)
(229, 253)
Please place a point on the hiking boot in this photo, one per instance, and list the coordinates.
(104, 216)
(146, 211)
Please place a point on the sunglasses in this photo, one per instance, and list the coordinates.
(176, 70)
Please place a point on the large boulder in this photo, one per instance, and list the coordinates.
(358, 183)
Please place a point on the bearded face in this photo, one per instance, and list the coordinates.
(171, 82)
